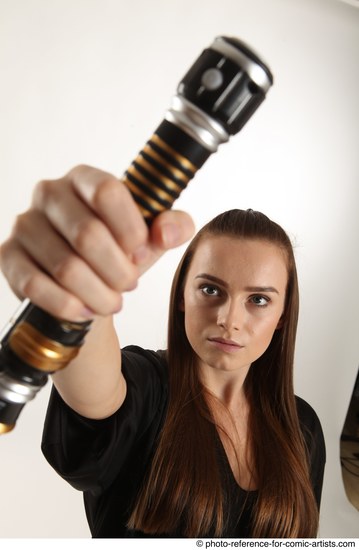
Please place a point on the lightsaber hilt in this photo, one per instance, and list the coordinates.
(214, 100)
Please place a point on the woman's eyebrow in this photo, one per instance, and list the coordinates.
(261, 289)
(247, 289)
(211, 278)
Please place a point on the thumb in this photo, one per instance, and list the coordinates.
(169, 229)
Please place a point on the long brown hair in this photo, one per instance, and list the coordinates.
(183, 491)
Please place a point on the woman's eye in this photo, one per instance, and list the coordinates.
(260, 301)
(210, 290)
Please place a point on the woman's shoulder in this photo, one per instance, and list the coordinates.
(315, 443)
(307, 415)
(310, 424)
(143, 361)
(146, 374)
(147, 354)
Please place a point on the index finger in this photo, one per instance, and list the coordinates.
(109, 198)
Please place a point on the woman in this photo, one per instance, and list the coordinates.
(206, 438)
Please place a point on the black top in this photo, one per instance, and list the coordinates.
(107, 459)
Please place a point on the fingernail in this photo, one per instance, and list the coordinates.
(170, 235)
(87, 313)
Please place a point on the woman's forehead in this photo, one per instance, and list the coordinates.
(227, 257)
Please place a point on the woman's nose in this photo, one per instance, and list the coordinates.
(231, 315)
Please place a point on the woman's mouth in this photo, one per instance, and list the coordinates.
(223, 344)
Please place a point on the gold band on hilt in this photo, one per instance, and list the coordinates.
(157, 177)
(6, 428)
(39, 351)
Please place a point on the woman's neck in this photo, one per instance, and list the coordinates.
(227, 387)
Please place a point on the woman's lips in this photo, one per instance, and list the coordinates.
(225, 345)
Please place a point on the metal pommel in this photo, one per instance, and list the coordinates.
(35, 345)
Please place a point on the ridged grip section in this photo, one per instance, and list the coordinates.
(157, 176)
(162, 169)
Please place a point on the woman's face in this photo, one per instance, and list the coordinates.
(233, 300)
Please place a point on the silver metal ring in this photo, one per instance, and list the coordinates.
(14, 392)
(192, 120)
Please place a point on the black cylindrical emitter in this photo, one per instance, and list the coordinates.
(214, 100)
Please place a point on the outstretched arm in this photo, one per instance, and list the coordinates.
(74, 252)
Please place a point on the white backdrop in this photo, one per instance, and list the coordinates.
(87, 81)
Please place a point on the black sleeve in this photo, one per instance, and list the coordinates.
(313, 434)
(88, 453)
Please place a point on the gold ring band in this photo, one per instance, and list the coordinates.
(37, 350)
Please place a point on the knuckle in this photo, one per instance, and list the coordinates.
(108, 191)
(130, 281)
(129, 275)
(79, 168)
(70, 307)
(139, 235)
(21, 226)
(111, 306)
(5, 248)
(31, 286)
(66, 270)
(88, 235)
(44, 189)
(20, 223)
